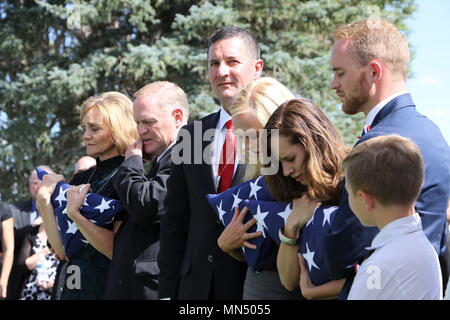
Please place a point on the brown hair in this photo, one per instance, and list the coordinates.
(376, 38)
(389, 167)
(305, 124)
(116, 110)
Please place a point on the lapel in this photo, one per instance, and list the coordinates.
(206, 169)
(405, 100)
(157, 164)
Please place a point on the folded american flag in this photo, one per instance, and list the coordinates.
(98, 209)
(271, 216)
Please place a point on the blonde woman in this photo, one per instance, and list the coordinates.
(250, 111)
(109, 128)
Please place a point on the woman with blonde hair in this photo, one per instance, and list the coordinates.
(109, 128)
(250, 111)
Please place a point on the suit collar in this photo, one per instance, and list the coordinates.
(402, 101)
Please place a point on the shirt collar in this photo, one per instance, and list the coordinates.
(395, 229)
(373, 113)
(161, 155)
(223, 118)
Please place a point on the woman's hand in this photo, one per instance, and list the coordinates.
(235, 234)
(306, 285)
(47, 186)
(302, 211)
(75, 199)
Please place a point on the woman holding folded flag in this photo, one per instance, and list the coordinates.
(310, 151)
(109, 128)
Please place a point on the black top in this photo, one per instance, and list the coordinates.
(92, 264)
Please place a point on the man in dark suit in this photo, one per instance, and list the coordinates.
(160, 110)
(370, 60)
(192, 265)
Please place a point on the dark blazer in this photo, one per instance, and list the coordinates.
(133, 272)
(191, 263)
(400, 117)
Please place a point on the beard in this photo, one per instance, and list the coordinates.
(358, 98)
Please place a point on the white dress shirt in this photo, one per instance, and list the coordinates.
(218, 142)
(404, 265)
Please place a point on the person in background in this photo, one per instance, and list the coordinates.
(384, 176)
(84, 163)
(26, 218)
(41, 263)
(109, 128)
(7, 254)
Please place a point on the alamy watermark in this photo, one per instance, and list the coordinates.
(251, 144)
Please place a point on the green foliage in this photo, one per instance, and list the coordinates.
(55, 54)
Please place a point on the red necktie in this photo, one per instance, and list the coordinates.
(227, 157)
(365, 130)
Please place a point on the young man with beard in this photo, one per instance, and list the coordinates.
(370, 59)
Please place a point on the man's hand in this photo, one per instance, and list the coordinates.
(134, 149)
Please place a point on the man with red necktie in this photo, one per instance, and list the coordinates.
(192, 266)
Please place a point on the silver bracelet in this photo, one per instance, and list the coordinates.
(286, 240)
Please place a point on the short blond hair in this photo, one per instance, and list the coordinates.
(116, 111)
(168, 94)
(389, 167)
(260, 98)
(377, 38)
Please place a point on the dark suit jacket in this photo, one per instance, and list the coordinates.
(133, 272)
(191, 263)
(347, 239)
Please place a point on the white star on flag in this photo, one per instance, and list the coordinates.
(236, 200)
(254, 189)
(285, 214)
(260, 216)
(104, 205)
(61, 196)
(309, 256)
(85, 203)
(312, 217)
(221, 211)
(71, 227)
(327, 214)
